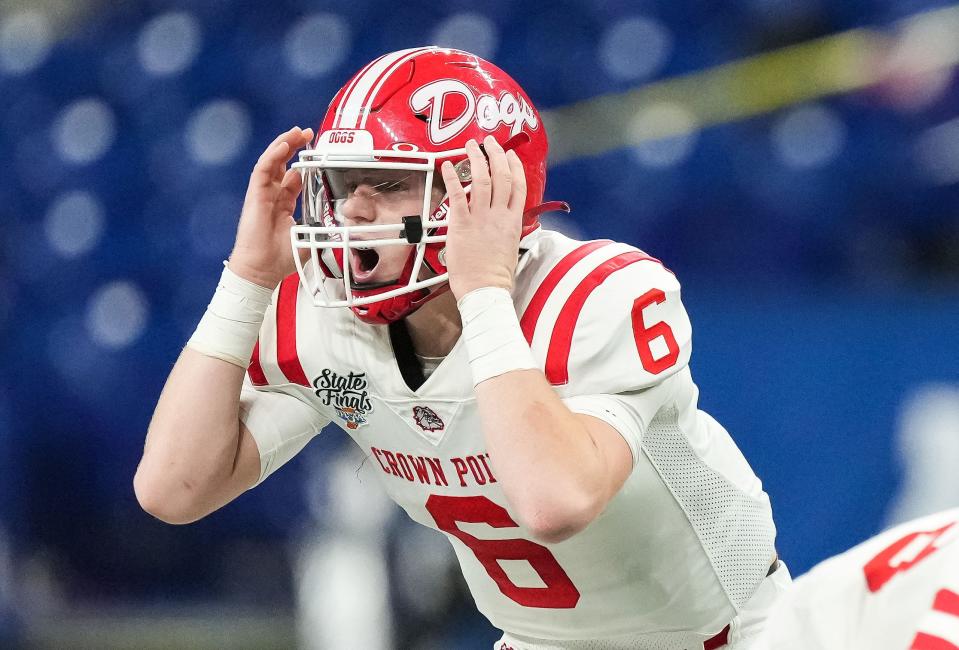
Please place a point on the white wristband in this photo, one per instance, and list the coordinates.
(494, 341)
(231, 324)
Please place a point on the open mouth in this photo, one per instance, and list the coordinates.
(363, 262)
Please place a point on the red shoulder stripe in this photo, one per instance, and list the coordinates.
(947, 601)
(557, 356)
(286, 355)
(925, 641)
(535, 307)
(256, 370)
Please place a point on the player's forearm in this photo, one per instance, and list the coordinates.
(544, 457)
(196, 457)
(193, 440)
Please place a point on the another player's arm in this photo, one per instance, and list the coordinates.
(198, 456)
(558, 469)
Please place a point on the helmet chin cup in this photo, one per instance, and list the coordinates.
(390, 310)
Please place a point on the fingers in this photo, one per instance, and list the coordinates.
(266, 164)
(305, 137)
(289, 191)
(517, 198)
(285, 136)
(454, 189)
(501, 183)
(295, 141)
(499, 171)
(481, 184)
(272, 162)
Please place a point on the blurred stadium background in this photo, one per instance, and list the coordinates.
(796, 162)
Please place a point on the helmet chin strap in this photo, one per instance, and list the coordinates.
(435, 291)
(370, 286)
(548, 206)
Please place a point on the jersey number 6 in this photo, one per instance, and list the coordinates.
(645, 335)
(559, 592)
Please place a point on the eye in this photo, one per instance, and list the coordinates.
(340, 185)
(395, 186)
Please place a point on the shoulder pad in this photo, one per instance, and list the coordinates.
(606, 318)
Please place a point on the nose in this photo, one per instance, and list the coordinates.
(358, 208)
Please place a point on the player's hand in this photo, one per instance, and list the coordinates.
(262, 253)
(482, 243)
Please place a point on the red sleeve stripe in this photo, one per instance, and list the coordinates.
(557, 356)
(925, 641)
(256, 370)
(286, 355)
(947, 601)
(535, 308)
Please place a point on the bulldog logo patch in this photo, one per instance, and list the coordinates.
(427, 419)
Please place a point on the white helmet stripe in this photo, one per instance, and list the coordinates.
(349, 89)
(369, 102)
(354, 101)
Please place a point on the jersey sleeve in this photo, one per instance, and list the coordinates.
(275, 399)
(611, 337)
(629, 412)
(280, 423)
(620, 327)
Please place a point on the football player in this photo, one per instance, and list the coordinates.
(896, 591)
(525, 394)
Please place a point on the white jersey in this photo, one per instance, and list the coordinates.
(896, 591)
(675, 555)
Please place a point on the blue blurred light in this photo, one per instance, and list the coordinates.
(469, 31)
(218, 131)
(25, 41)
(117, 314)
(317, 44)
(84, 130)
(937, 153)
(635, 48)
(169, 43)
(74, 223)
(809, 136)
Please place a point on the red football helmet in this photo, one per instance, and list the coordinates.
(410, 111)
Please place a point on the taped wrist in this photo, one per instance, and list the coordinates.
(491, 331)
(231, 324)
